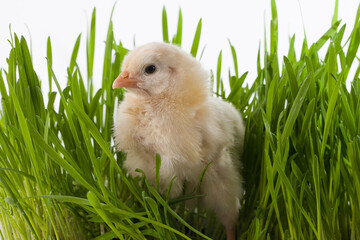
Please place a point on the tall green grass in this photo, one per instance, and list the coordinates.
(61, 177)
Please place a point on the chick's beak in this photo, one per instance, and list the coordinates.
(124, 81)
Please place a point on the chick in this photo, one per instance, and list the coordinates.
(169, 110)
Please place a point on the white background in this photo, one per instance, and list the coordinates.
(242, 22)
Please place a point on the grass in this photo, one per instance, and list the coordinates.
(61, 177)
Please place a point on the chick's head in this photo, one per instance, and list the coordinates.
(160, 68)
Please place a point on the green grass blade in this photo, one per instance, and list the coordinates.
(165, 30)
(292, 78)
(295, 109)
(354, 43)
(178, 36)
(74, 54)
(329, 117)
(49, 57)
(273, 29)
(218, 73)
(335, 15)
(325, 37)
(233, 53)
(90, 51)
(196, 41)
(157, 170)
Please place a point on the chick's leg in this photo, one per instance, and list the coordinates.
(222, 189)
(230, 232)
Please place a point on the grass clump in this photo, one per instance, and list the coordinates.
(61, 177)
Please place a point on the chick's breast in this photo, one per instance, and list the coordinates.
(143, 128)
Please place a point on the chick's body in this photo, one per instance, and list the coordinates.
(177, 118)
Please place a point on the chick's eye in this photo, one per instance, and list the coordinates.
(150, 69)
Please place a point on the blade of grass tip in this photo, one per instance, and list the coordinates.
(329, 33)
(75, 90)
(295, 109)
(258, 60)
(11, 40)
(165, 26)
(83, 91)
(233, 53)
(202, 52)
(134, 41)
(179, 29)
(195, 44)
(265, 37)
(49, 63)
(109, 44)
(237, 87)
(90, 51)
(291, 52)
(74, 54)
(46, 135)
(218, 73)
(107, 56)
(26, 60)
(30, 41)
(354, 43)
(338, 39)
(107, 97)
(335, 15)
(11, 74)
(222, 91)
(304, 49)
(331, 67)
(273, 29)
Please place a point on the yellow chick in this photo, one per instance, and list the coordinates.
(169, 110)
